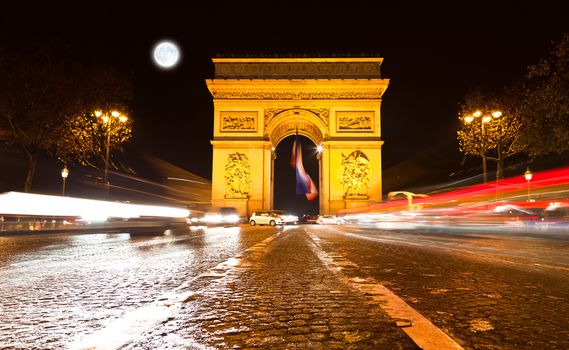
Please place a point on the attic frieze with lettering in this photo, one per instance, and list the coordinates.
(297, 70)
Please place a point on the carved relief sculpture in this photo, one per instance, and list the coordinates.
(355, 178)
(238, 121)
(355, 121)
(271, 113)
(237, 176)
(244, 93)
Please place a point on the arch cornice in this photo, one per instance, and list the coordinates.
(287, 121)
(307, 89)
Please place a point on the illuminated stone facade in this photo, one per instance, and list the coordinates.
(258, 102)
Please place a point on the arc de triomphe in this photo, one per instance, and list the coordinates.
(258, 102)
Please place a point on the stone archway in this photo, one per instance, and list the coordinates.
(290, 121)
(285, 122)
(258, 102)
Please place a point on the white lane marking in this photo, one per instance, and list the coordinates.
(423, 332)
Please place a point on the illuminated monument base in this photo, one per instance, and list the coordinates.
(258, 102)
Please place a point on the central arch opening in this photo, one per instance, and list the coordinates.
(285, 197)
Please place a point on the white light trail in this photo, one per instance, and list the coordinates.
(17, 203)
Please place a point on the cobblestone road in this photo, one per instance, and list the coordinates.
(57, 287)
(281, 296)
(487, 291)
(273, 288)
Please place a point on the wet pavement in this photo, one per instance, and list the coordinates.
(56, 288)
(308, 287)
(487, 291)
(279, 296)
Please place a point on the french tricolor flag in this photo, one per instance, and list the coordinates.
(304, 184)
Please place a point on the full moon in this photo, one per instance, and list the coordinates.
(166, 54)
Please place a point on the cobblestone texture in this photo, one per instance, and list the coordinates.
(483, 301)
(55, 287)
(283, 298)
(486, 292)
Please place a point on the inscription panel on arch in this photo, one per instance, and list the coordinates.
(355, 121)
(239, 121)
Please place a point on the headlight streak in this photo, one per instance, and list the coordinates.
(17, 203)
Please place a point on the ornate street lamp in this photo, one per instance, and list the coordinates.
(110, 122)
(64, 174)
(484, 119)
(528, 176)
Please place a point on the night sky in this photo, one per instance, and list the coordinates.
(432, 55)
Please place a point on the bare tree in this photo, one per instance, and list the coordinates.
(95, 88)
(46, 106)
(490, 129)
(544, 103)
(32, 104)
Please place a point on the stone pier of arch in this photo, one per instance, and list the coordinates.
(258, 102)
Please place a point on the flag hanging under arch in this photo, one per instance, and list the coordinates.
(304, 184)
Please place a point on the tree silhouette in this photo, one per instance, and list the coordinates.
(495, 138)
(46, 105)
(544, 103)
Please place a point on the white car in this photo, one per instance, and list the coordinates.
(265, 218)
(330, 220)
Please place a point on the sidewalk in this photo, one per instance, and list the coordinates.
(281, 296)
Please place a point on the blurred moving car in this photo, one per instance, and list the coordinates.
(223, 216)
(286, 217)
(512, 214)
(229, 215)
(309, 219)
(265, 218)
(556, 213)
(330, 220)
(211, 218)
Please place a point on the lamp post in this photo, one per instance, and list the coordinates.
(484, 119)
(64, 174)
(110, 121)
(528, 176)
(499, 147)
